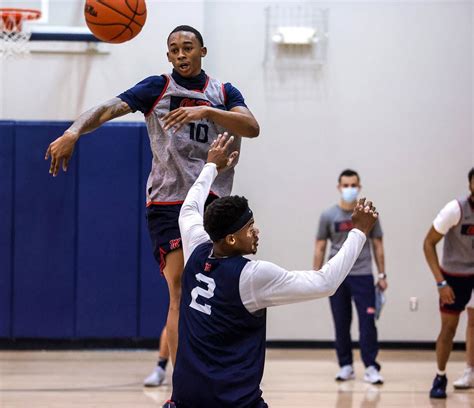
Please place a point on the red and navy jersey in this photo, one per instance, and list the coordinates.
(221, 349)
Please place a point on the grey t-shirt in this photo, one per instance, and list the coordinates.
(335, 224)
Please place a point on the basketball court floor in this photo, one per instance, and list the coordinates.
(293, 378)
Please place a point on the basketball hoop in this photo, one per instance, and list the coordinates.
(14, 35)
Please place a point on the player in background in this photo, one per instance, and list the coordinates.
(225, 295)
(454, 277)
(184, 112)
(335, 224)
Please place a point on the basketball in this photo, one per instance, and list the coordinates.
(115, 21)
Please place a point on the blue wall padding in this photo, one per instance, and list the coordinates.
(75, 255)
(44, 224)
(6, 224)
(108, 233)
(153, 302)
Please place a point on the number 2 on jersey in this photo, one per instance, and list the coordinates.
(199, 132)
(205, 293)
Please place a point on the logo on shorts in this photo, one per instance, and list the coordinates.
(370, 310)
(207, 267)
(175, 243)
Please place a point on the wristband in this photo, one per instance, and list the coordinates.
(382, 276)
(442, 284)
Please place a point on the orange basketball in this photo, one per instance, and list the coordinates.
(115, 21)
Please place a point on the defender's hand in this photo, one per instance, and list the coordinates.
(61, 151)
(364, 216)
(181, 116)
(219, 152)
(446, 295)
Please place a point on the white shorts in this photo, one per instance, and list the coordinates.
(471, 302)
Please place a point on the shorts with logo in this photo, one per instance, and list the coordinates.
(462, 286)
(164, 231)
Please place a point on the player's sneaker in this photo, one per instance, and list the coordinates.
(345, 373)
(156, 378)
(169, 404)
(372, 375)
(466, 381)
(438, 390)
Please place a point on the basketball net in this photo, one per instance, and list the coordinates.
(14, 34)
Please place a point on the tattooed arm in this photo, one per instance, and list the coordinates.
(62, 148)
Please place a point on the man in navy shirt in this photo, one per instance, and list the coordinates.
(224, 295)
(184, 113)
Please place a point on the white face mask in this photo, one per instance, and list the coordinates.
(349, 194)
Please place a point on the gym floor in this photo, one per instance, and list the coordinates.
(293, 378)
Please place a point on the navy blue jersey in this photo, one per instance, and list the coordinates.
(221, 349)
(143, 95)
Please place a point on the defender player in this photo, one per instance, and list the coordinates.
(455, 277)
(184, 113)
(223, 305)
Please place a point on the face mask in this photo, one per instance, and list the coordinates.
(349, 194)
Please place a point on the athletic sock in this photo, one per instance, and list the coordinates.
(162, 362)
(441, 373)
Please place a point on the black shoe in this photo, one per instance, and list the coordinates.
(438, 390)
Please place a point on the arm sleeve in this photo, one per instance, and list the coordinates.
(143, 95)
(263, 284)
(448, 217)
(233, 97)
(192, 211)
(323, 228)
(377, 230)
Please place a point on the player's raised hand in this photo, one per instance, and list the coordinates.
(60, 152)
(220, 153)
(179, 117)
(364, 216)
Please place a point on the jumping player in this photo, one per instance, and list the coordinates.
(223, 305)
(184, 113)
(455, 277)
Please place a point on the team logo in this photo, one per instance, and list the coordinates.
(343, 226)
(175, 243)
(207, 267)
(467, 229)
(370, 310)
(186, 102)
(90, 10)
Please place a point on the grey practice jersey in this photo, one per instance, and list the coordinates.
(335, 224)
(458, 251)
(179, 157)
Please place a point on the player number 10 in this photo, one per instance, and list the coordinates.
(199, 132)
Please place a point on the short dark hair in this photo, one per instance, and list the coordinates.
(189, 29)
(471, 175)
(348, 173)
(223, 213)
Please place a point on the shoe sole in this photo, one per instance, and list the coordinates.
(339, 379)
(462, 387)
(379, 382)
(152, 385)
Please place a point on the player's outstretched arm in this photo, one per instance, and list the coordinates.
(264, 284)
(62, 148)
(191, 215)
(239, 120)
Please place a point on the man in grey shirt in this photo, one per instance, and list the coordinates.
(335, 224)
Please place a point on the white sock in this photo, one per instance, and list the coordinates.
(439, 372)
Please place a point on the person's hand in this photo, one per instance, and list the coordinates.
(179, 117)
(60, 152)
(364, 216)
(382, 284)
(446, 295)
(219, 152)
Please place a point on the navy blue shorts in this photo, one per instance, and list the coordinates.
(462, 286)
(164, 231)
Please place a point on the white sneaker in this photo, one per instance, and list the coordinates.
(156, 378)
(372, 375)
(466, 381)
(345, 373)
